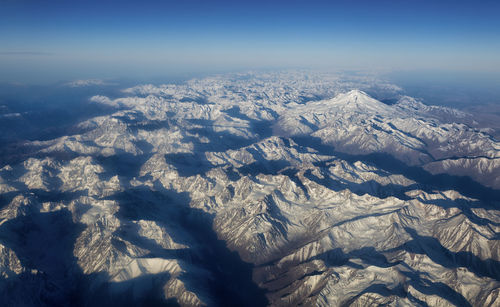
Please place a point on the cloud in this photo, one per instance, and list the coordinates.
(10, 115)
(31, 53)
(87, 82)
(102, 100)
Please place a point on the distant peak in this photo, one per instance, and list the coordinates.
(356, 96)
(357, 93)
(361, 101)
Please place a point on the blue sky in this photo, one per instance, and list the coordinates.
(57, 40)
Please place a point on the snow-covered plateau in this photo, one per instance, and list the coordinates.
(280, 189)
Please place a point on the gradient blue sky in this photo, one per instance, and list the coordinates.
(57, 40)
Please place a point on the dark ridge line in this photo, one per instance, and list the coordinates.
(464, 157)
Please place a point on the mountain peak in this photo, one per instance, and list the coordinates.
(361, 101)
(356, 96)
(357, 93)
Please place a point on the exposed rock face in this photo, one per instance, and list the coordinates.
(254, 191)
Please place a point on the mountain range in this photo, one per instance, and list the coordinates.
(280, 189)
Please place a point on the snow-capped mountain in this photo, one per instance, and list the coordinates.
(278, 189)
(430, 137)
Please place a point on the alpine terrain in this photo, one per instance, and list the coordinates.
(259, 189)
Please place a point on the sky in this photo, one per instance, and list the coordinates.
(42, 41)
